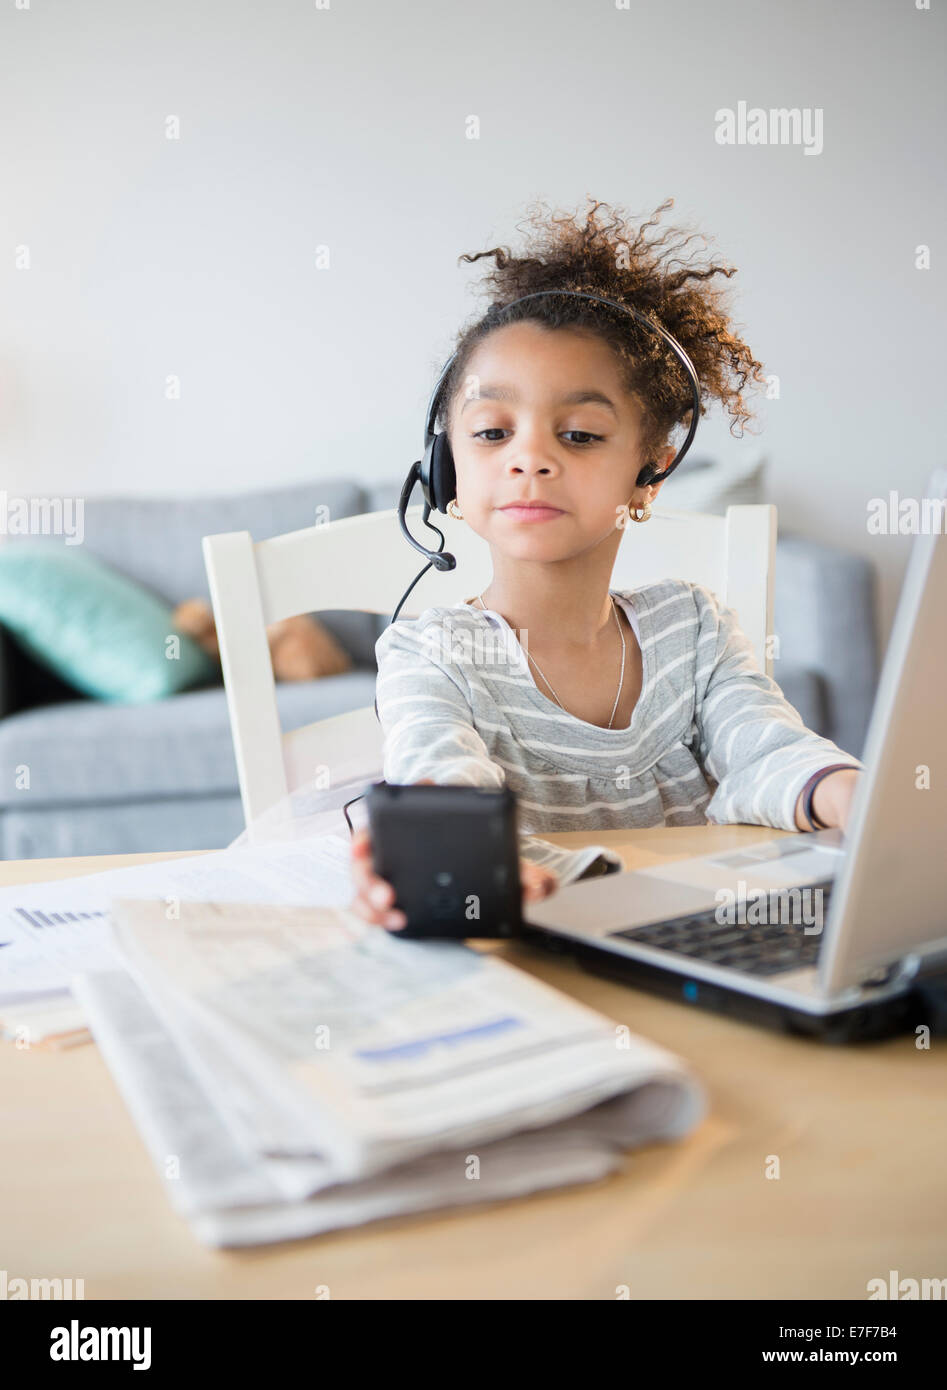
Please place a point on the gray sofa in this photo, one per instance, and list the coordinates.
(112, 778)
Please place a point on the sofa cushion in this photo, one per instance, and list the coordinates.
(382, 497)
(157, 540)
(705, 484)
(94, 627)
(824, 616)
(85, 751)
(805, 691)
(121, 827)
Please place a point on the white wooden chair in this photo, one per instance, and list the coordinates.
(364, 563)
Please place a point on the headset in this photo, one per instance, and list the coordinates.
(435, 469)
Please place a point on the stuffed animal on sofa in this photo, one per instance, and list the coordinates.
(301, 649)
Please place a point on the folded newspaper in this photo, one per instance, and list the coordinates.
(293, 1070)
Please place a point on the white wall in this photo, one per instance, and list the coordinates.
(345, 126)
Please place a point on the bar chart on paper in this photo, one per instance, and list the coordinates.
(41, 947)
(40, 920)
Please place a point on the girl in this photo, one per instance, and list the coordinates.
(599, 708)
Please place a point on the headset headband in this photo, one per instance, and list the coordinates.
(671, 341)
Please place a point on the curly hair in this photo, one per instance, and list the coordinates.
(618, 260)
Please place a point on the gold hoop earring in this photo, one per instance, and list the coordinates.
(645, 512)
(458, 516)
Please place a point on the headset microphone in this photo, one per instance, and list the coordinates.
(440, 558)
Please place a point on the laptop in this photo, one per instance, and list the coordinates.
(826, 933)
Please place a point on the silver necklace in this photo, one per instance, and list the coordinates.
(621, 678)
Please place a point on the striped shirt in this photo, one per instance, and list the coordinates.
(711, 738)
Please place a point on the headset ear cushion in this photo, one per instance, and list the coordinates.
(443, 477)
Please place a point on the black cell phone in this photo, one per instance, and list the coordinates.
(452, 856)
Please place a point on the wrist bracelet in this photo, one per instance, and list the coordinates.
(810, 787)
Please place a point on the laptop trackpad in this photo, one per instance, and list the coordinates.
(779, 863)
(598, 906)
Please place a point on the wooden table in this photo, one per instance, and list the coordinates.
(860, 1133)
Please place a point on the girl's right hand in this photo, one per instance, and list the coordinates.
(374, 896)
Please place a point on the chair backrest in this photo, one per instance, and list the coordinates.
(363, 563)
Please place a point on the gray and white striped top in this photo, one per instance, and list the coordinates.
(712, 738)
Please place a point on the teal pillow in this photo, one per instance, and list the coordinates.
(93, 627)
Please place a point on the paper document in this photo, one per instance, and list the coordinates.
(48, 931)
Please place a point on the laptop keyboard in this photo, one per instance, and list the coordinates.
(767, 949)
